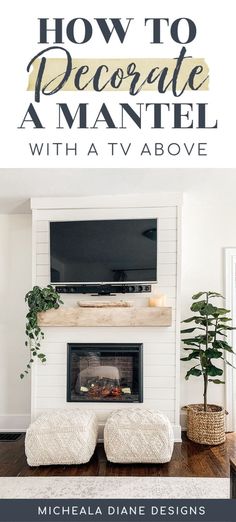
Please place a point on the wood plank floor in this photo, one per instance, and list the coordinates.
(189, 460)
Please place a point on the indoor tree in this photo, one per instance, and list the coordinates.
(208, 342)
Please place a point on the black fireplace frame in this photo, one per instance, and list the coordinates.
(109, 347)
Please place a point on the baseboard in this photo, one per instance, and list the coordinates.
(15, 422)
(21, 422)
(183, 420)
(177, 433)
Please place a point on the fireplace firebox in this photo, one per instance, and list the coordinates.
(105, 372)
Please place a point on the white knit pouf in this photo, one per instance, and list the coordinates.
(61, 437)
(138, 435)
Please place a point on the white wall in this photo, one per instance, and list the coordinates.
(209, 225)
(15, 280)
(160, 344)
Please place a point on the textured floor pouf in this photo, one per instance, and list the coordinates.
(138, 435)
(61, 437)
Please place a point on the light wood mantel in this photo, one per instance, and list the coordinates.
(78, 316)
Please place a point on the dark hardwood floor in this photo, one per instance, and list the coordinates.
(188, 460)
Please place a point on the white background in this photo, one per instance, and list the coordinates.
(214, 42)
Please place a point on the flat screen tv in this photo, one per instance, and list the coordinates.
(103, 251)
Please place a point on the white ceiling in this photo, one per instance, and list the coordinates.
(17, 186)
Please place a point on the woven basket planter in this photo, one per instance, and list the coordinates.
(206, 427)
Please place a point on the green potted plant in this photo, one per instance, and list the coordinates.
(207, 346)
(38, 300)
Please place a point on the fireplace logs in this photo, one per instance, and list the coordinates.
(98, 388)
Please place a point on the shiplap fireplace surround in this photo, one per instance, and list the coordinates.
(160, 344)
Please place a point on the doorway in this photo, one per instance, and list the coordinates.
(230, 373)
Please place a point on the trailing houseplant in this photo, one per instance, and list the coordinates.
(207, 346)
(38, 300)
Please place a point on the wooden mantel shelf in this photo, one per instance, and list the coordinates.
(133, 316)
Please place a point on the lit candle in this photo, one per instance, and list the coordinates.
(157, 300)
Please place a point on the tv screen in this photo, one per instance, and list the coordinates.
(107, 251)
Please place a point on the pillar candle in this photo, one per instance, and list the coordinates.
(157, 300)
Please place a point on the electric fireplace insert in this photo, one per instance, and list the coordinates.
(107, 372)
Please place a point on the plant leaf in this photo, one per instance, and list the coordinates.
(215, 294)
(225, 327)
(196, 307)
(209, 309)
(190, 319)
(222, 345)
(222, 311)
(199, 294)
(194, 355)
(193, 371)
(190, 330)
(213, 371)
(216, 381)
(213, 354)
(188, 349)
(190, 343)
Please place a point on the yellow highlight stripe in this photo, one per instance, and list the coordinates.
(55, 70)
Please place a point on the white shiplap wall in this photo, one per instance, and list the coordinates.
(161, 345)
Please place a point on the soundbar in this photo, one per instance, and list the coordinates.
(103, 289)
